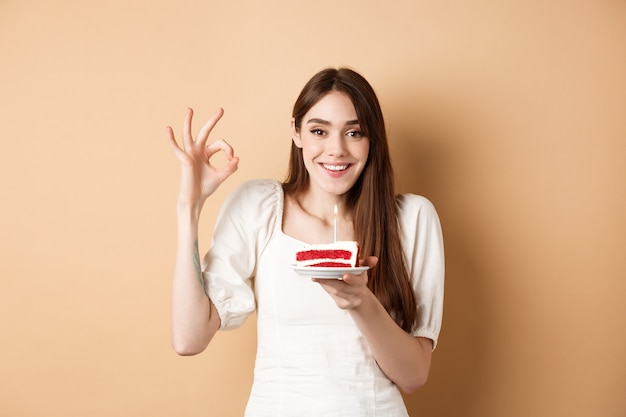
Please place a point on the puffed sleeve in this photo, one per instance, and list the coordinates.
(241, 230)
(423, 249)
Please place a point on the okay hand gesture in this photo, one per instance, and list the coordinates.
(200, 178)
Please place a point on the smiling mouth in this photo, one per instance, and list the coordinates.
(336, 168)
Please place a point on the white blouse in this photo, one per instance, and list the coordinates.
(311, 359)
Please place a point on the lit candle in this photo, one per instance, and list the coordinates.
(335, 222)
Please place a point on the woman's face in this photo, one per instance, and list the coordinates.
(333, 148)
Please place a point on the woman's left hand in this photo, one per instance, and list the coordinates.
(350, 291)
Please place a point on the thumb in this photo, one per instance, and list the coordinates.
(229, 169)
(370, 261)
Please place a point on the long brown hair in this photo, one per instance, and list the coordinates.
(372, 199)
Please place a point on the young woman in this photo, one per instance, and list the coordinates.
(325, 347)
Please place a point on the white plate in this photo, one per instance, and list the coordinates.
(327, 272)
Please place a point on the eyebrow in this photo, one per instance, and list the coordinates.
(326, 122)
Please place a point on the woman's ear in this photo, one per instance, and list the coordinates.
(295, 134)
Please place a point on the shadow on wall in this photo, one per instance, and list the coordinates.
(429, 160)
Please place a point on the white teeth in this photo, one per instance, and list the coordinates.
(335, 167)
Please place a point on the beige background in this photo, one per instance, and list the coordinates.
(509, 116)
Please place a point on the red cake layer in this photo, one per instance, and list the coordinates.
(333, 264)
(323, 254)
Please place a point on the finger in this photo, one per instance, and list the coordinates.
(351, 279)
(187, 137)
(229, 169)
(370, 261)
(329, 284)
(220, 145)
(172, 141)
(203, 135)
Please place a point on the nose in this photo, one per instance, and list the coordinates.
(336, 145)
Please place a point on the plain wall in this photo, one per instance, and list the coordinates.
(509, 116)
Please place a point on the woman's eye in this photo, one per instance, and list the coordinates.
(317, 132)
(355, 134)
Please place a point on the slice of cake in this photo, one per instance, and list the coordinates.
(338, 254)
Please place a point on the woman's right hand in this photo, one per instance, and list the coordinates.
(199, 178)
